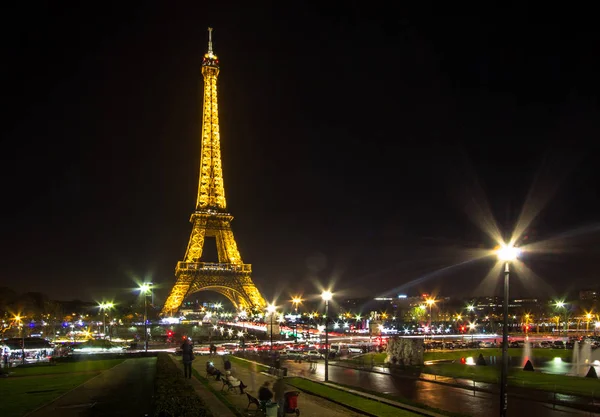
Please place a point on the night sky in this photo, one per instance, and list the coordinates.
(356, 140)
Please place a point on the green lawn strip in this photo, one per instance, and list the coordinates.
(367, 359)
(253, 366)
(378, 359)
(65, 367)
(401, 400)
(549, 354)
(356, 402)
(21, 395)
(218, 393)
(563, 384)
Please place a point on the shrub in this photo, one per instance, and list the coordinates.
(173, 395)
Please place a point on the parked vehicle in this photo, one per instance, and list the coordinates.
(313, 354)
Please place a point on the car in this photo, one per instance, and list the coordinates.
(313, 354)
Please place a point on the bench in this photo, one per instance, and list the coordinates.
(253, 401)
(227, 384)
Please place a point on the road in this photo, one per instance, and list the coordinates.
(444, 397)
(124, 390)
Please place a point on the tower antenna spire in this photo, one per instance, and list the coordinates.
(210, 49)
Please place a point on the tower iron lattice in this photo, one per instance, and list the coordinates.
(230, 276)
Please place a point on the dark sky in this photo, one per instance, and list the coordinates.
(354, 137)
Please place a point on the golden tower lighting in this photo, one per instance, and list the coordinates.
(230, 276)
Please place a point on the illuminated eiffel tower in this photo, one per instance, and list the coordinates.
(229, 276)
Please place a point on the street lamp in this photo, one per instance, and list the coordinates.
(20, 324)
(103, 307)
(144, 288)
(430, 302)
(243, 316)
(561, 304)
(587, 325)
(506, 254)
(295, 302)
(271, 309)
(326, 296)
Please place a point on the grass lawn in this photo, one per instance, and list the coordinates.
(31, 387)
(248, 365)
(547, 382)
(549, 354)
(359, 403)
(65, 368)
(27, 394)
(379, 358)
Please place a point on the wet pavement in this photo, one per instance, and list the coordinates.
(124, 390)
(443, 397)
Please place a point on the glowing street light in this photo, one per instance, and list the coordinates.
(587, 325)
(430, 302)
(271, 309)
(144, 289)
(296, 301)
(506, 254)
(243, 315)
(560, 305)
(103, 307)
(19, 320)
(326, 296)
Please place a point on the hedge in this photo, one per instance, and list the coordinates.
(174, 396)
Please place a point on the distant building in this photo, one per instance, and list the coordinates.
(589, 295)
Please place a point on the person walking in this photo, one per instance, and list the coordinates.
(279, 391)
(227, 364)
(187, 350)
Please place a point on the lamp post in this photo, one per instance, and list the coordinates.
(144, 288)
(506, 254)
(20, 324)
(561, 305)
(271, 310)
(243, 316)
(295, 302)
(103, 307)
(326, 296)
(587, 325)
(430, 302)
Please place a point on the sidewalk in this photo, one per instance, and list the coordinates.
(309, 405)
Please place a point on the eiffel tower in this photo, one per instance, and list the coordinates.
(229, 276)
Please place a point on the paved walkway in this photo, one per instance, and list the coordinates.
(124, 390)
(309, 405)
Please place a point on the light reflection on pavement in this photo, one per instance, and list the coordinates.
(453, 399)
